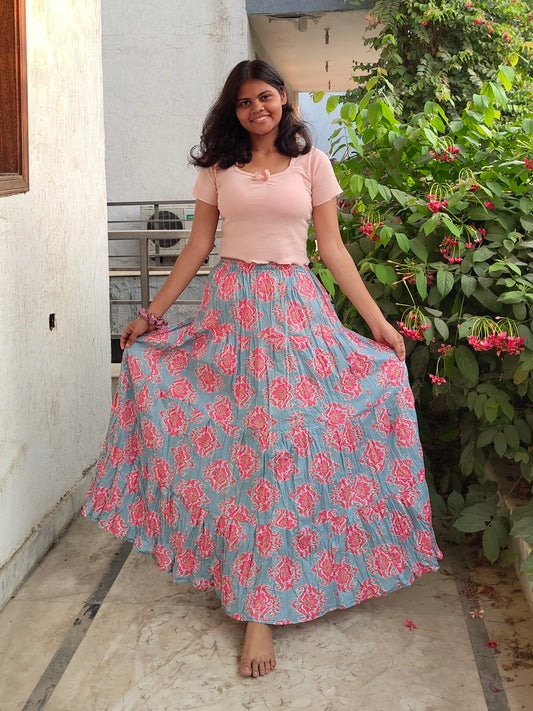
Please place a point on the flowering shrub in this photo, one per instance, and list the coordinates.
(444, 50)
(445, 246)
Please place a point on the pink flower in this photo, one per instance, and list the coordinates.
(528, 163)
(436, 379)
(491, 644)
(477, 614)
(489, 205)
(410, 625)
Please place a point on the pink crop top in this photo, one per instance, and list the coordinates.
(265, 217)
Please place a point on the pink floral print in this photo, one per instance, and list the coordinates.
(262, 450)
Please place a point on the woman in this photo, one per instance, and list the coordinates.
(260, 448)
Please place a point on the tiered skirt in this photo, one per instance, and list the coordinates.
(265, 451)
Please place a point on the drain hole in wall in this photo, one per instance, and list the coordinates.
(52, 322)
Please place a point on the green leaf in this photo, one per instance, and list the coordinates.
(521, 374)
(483, 254)
(511, 436)
(507, 557)
(442, 328)
(403, 241)
(421, 284)
(526, 205)
(506, 76)
(403, 198)
(372, 186)
(491, 544)
(348, 111)
(524, 529)
(475, 518)
(527, 223)
(419, 248)
(467, 364)
(431, 224)
(318, 96)
(385, 192)
(500, 444)
(456, 503)
(454, 229)
(486, 436)
(445, 281)
(327, 280)
(385, 273)
(356, 184)
(468, 284)
(374, 113)
(495, 93)
(332, 103)
(527, 126)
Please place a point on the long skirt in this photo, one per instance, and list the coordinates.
(265, 451)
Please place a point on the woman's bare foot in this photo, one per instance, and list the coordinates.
(257, 657)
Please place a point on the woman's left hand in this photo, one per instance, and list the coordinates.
(386, 333)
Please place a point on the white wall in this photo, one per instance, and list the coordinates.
(164, 63)
(53, 259)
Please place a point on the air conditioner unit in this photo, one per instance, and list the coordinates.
(167, 217)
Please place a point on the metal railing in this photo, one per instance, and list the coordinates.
(149, 259)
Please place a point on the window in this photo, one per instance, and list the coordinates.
(13, 99)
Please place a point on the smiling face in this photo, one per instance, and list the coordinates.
(259, 107)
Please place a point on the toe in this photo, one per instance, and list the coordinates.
(246, 670)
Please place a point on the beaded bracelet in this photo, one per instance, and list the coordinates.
(153, 320)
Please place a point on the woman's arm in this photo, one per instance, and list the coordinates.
(192, 256)
(337, 259)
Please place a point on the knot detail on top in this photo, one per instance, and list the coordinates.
(264, 175)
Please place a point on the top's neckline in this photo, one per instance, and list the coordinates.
(266, 173)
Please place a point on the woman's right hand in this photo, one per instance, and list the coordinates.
(133, 330)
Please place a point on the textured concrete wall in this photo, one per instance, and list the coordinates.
(53, 260)
(164, 63)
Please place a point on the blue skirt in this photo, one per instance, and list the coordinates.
(264, 450)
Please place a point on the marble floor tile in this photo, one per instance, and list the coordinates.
(71, 569)
(167, 652)
(30, 633)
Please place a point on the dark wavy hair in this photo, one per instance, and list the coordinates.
(224, 142)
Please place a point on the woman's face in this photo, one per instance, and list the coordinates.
(259, 107)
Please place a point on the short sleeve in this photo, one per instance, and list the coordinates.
(205, 188)
(324, 184)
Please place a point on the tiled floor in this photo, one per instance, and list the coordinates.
(143, 643)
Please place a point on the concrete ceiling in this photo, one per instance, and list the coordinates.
(313, 51)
